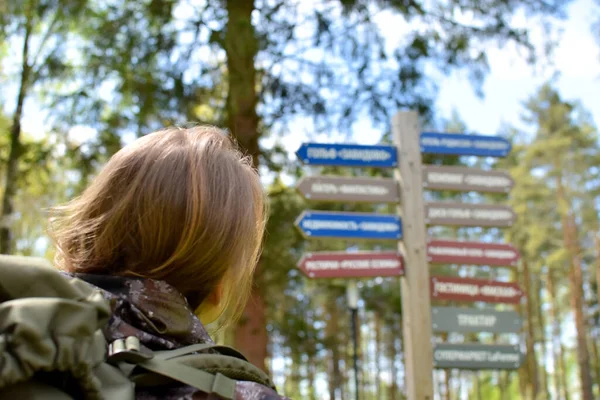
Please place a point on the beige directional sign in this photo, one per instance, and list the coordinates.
(335, 188)
(466, 179)
(464, 214)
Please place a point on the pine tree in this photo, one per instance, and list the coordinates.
(43, 28)
(563, 152)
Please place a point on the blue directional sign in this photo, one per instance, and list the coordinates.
(318, 224)
(464, 145)
(348, 155)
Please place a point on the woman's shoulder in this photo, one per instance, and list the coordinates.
(251, 390)
(243, 391)
(151, 310)
(159, 316)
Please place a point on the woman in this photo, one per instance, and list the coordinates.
(170, 230)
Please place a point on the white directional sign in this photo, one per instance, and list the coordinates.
(335, 188)
(476, 356)
(464, 214)
(466, 179)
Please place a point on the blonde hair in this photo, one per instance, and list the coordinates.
(179, 205)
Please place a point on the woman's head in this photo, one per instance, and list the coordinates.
(179, 205)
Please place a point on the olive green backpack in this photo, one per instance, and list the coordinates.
(52, 346)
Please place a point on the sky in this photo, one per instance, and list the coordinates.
(510, 81)
(573, 68)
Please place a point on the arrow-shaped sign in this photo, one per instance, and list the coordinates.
(466, 179)
(477, 356)
(334, 188)
(317, 224)
(348, 155)
(454, 319)
(351, 265)
(466, 289)
(471, 253)
(464, 145)
(464, 214)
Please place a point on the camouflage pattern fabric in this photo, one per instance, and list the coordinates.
(161, 318)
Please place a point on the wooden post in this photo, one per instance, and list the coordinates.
(416, 305)
(352, 294)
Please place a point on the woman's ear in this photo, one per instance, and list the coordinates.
(211, 308)
(215, 297)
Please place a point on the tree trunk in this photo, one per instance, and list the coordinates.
(241, 47)
(523, 371)
(594, 339)
(560, 378)
(332, 341)
(542, 340)
(582, 349)
(597, 246)
(524, 381)
(446, 391)
(576, 289)
(311, 377)
(504, 385)
(251, 335)
(458, 394)
(501, 381)
(477, 385)
(292, 383)
(378, 344)
(392, 356)
(532, 373)
(348, 364)
(361, 358)
(594, 349)
(437, 385)
(12, 164)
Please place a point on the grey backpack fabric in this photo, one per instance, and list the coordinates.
(52, 345)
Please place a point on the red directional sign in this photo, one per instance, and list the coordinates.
(466, 289)
(351, 265)
(471, 253)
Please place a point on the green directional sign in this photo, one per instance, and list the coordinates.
(455, 319)
(477, 356)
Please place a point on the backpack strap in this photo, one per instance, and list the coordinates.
(195, 348)
(206, 382)
(208, 372)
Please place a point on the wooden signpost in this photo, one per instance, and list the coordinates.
(416, 306)
(408, 227)
(451, 319)
(326, 224)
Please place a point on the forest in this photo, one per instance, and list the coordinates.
(81, 78)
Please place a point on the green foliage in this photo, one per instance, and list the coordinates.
(127, 67)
